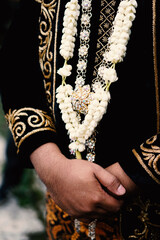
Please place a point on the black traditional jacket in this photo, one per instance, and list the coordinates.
(129, 131)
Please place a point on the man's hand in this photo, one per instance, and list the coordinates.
(129, 185)
(77, 186)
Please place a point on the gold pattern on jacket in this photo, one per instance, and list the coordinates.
(27, 121)
(45, 52)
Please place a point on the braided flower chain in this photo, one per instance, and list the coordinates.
(99, 98)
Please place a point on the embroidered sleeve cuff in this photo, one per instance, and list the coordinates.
(148, 156)
(30, 129)
(144, 164)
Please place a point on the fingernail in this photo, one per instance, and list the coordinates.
(121, 190)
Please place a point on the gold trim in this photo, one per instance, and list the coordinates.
(27, 121)
(155, 63)
(45, 47)
(39, 1)
(107, 15)
(142, 214)
(47, 86)
(55, 55)
(144, 166)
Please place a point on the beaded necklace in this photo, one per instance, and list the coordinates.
(83, 108)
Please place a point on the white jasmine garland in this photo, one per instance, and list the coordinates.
(109, 75)
(121, 31)
(69, 29)
(65, 71)
(79, 132)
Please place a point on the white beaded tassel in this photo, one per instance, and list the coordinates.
(92, 230)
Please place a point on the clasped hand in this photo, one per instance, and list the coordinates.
(82, 189)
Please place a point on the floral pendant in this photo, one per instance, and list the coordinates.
(81, 98)
(72, 103)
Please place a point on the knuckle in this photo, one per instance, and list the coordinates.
(91, 205)
(79, 214)
(117, 207)
(85, 210)
(113, 182)
(96, 199)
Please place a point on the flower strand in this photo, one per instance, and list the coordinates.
(79, 132)
(68, 38)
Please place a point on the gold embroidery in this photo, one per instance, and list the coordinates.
(27, 121)
(47, 86)
(45, 52)
(55, 54)
(107, 14)
(39, 1)
(143, 215)
(150, 154)
(150, 157)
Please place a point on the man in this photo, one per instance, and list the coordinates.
(127, 139)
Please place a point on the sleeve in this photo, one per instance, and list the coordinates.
(144, 165)
(24, 101)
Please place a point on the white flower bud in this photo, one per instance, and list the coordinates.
(123, 4)
(106, 96)
(81, 147)
(72, 135)
(130, 9)
(134, 3)
(125, 35)
(110, 75)
(60, 96)
(68, 126)
(103, 104)
(68, 87)
(95, 103)
(102, 111)
(73, 146)
(88, 117)
(65, 117)
(93, 123)
(88, 134)
(81, 140)
(72, 116)
(131, 16)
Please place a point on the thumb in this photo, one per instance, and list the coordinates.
(109, 182)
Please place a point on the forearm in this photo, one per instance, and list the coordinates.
(45, 159)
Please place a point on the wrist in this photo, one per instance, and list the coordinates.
(47, 159)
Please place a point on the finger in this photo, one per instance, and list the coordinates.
(86, 220)
(109, 181)
(99, 214)
(110, 204)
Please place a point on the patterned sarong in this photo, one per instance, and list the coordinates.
(140, 219)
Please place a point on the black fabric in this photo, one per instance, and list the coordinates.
(131, 115)
(21, 76)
